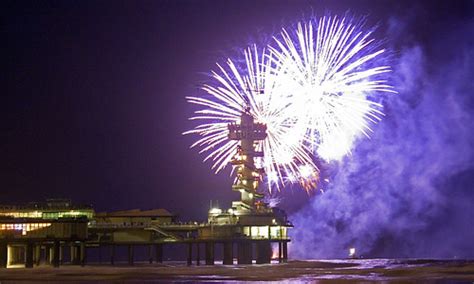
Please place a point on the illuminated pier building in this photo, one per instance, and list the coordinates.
(57, 232)
(41, 230)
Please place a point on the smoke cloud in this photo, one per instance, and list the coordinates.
(406, 192)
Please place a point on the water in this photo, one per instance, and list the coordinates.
(296, 271)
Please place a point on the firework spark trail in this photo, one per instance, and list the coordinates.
(311, 90)
(329, 69)
(252, 87)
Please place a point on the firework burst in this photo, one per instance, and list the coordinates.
(251, 87)
(329, 70)
(311, 89)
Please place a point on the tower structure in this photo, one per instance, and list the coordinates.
(248, 132)
(250, 223)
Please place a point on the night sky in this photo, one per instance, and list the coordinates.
(93, 92)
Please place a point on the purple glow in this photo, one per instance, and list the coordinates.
(406, 192)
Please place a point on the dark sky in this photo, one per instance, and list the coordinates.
(93, 92)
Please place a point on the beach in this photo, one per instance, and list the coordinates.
(295, 271)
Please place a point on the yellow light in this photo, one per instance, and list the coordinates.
(9, 255)
(230, 211)
(275, 232)
(250, 195)
(352, 252)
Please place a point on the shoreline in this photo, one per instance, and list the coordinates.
(347, 270)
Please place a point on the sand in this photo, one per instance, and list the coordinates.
(320, 271)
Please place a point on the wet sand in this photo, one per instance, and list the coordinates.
(314, 271)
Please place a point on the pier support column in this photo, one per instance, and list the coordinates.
(190, 254)
(61, 254)
(29, 255)
(112, 254)
(47, 254)
(37, 254)
(280, 253)
(11, 252)
(264, 252)
(83, 253)
(228, 253)
(100, 253)
(159, 253)
(71, 253)
(55, 254)
(285, 251)
(244, 253)
(150, 254)
(74, 257)
(209, 253)
(198, 256)
(130, 254)
(3, 254)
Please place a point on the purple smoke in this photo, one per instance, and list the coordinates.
(406, 192)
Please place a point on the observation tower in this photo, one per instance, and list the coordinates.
(248, 132)
(250, 223)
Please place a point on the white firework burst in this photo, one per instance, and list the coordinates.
(328, 70)
(312, 91)
(252, 87)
